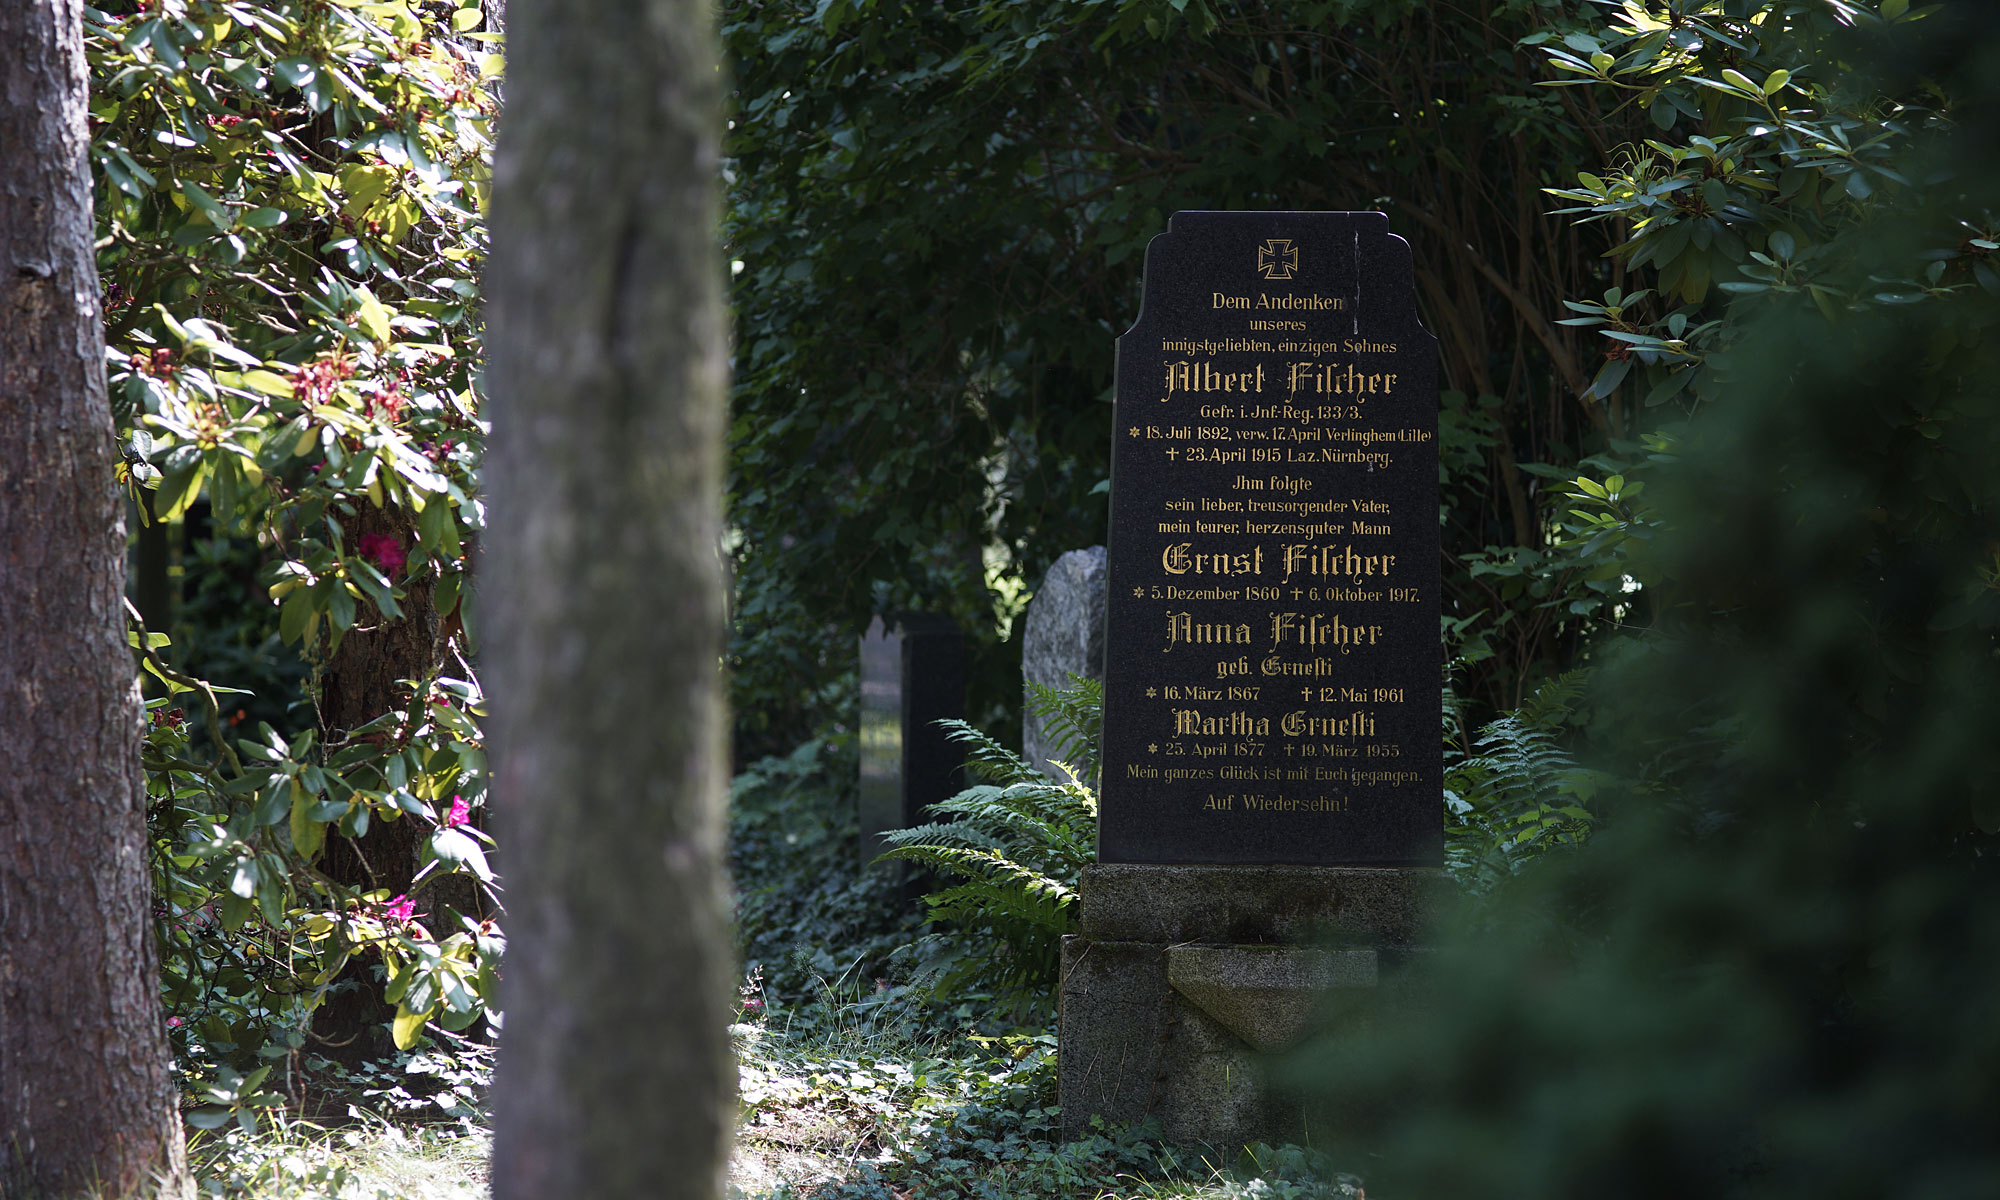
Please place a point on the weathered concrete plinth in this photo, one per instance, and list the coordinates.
(1186, 982)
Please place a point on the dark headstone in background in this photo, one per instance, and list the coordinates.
(1062, 635)
(1273, 679)
(912, 676)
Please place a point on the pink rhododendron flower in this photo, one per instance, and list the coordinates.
(385, 550)
(459, 814)
(400, 909)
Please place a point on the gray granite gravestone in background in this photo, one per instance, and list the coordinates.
(1062, 635)
(1271, 804)
(912, 675)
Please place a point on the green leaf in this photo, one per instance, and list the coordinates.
(210, 207)
(243, 882)
(373, 318)
(271, 804)
(364, 185)
(178, 490)
(307, 834)
(296, 72)
(446, 596)
(454, 848)
(297, 610)
(340, 607)
(268, 382)
(431, 523)
(407, 1028)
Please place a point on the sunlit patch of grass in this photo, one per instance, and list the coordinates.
(289, 1159)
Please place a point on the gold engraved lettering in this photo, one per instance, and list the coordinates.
(1331, 379)
(1309, 559)
(1318, 629)
(1356, 724)
(1183, 629)
(1201, 376)
(1175, 560)
(1191, 722)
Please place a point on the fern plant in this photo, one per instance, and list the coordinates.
(1072, 718)
(1010, 850)
(1521, 794)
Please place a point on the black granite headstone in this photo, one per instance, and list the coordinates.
(1273, 671)
(912, 676)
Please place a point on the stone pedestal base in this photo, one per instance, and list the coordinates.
(1184, 982)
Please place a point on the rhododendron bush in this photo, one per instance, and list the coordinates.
(291, 223)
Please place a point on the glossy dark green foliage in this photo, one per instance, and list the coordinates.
(1766, 974)
(941, 212)
(290, 225)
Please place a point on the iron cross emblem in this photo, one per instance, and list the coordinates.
(1277, 258)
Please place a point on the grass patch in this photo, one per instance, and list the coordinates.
(891, 1116)
(371, 1159)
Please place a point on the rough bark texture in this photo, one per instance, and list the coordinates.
(605, 603)
(85, 1100)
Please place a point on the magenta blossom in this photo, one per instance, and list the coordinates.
(459, 814)
(401, 910)
(385, 550)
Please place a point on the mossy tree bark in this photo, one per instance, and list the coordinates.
(605, 601)
(85, 1101)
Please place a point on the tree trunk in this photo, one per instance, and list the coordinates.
(359, 684)
(606, 627)
(85, 1099)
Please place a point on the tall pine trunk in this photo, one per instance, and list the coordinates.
(85, 1100)
(606, 629)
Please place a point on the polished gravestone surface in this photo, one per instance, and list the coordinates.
(1274, 671)
(1271, 805)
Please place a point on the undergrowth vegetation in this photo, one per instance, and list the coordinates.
(878, 1060)
(876, 1118)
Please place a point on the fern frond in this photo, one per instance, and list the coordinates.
(989, 759)
(1011, 849)
(1073, 720)
(1521, 793)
